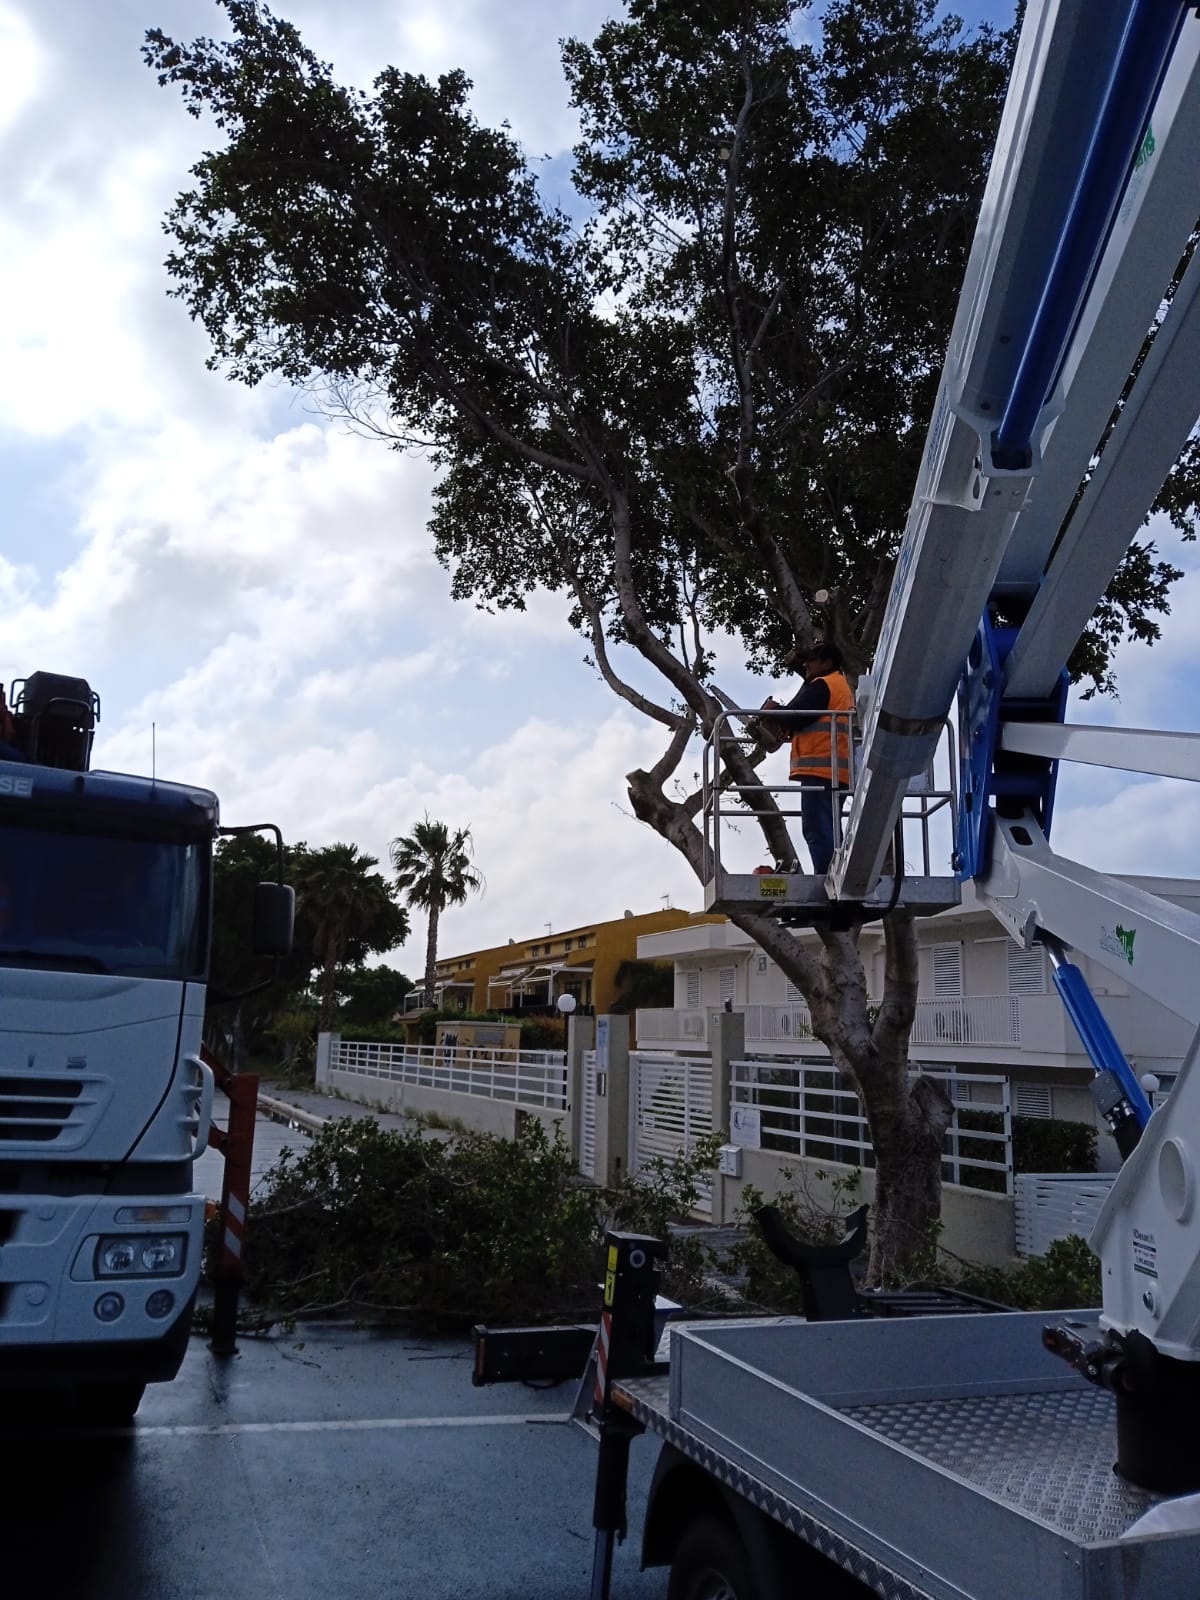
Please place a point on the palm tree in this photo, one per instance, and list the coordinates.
(433, 868)
(349, 911)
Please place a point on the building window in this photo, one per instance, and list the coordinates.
(793, 995)
(1032, 1100)
(1026, 969)
(692, 988)
(947, 971)
(726, 980)
(760, 964)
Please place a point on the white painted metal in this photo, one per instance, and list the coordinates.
(1147, 240)
(1148, 1233)
(1053, 1205)
(975, 1019)
(587, 1123)
(805, 1110)
(1153, 428)
(535, 1078)
(1144, 940)
(1168, 755)
(670, 1108)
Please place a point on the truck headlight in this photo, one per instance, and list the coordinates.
(140, 1256)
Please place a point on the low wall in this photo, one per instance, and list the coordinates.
(476, 1112)
(976, 1225)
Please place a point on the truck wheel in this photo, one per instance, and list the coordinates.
(108, 1405)
(711, 1563)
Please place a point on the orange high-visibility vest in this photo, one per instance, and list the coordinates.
(812, 753)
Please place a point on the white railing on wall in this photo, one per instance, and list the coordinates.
(968, 1019)
(765, 1024)
(536, 1078)
(659, 1025)
(807, 1110)
(1051, 1205)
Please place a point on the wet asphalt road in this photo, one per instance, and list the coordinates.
(332, 1465)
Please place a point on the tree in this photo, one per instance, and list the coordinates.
(347, 911)
(644, 984)
(689, 410)
(370, 994)
(234, 1027)
(433, 869)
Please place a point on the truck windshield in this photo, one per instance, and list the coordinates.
(102, 902)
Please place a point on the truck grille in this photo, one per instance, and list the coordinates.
(37, 1109)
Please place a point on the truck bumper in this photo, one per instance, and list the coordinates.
(64, 1365)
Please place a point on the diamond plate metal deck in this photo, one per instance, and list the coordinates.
(1050, 1455)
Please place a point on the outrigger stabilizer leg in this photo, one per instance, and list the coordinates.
(625, 1348)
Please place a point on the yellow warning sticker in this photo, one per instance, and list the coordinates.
(772, 888)
(610, 1277)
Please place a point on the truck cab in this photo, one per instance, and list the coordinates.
(105, 906)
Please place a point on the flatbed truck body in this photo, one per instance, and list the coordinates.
(942, 1458)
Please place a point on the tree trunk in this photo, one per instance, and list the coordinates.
(907, 1119)
(328, 1007)
(431, 953)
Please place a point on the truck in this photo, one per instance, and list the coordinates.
(105, 913)
(983, 1456)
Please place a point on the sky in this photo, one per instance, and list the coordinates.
(250, 588)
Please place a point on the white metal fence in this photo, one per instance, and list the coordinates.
(968, 1019)
(535, 1078)
(808, 1110)
(587, 1120)
(1051, 1205)
(670, 1108)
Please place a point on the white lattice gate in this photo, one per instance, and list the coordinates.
(587, 1125)
(670, 1108)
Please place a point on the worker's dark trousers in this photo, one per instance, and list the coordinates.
(816, 821)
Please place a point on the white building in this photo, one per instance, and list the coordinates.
(985, 1006)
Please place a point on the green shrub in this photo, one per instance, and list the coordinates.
(1068, 1275)
(1047, 1144)
(369, 1222)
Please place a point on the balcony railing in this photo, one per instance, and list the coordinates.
(973, 1019)
(968, 1019)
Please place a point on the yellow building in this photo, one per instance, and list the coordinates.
(529, 976)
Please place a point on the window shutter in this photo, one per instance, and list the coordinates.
(1026, 969)
(692, 998)
(947, 971)
(726, 978)
(794, 997)
(1032, 1100)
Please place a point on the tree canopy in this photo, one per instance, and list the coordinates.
(693, 405)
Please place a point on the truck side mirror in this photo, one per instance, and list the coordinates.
(274, 915)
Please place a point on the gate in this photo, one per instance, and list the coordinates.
(670, 1108)
(587, 1129)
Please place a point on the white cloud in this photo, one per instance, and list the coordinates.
(22, 67)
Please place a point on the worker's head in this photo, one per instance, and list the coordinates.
(820, 659)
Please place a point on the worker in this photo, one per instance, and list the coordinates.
(815, 739)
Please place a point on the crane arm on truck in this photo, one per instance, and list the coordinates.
(1042, 461)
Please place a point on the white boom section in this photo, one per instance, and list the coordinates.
(1141, 938)
(1146, 750)
(1148, 237)
(1153, 428)
(969, 514)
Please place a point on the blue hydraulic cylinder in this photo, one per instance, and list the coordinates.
(1148, 39)
(1100, 1043)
